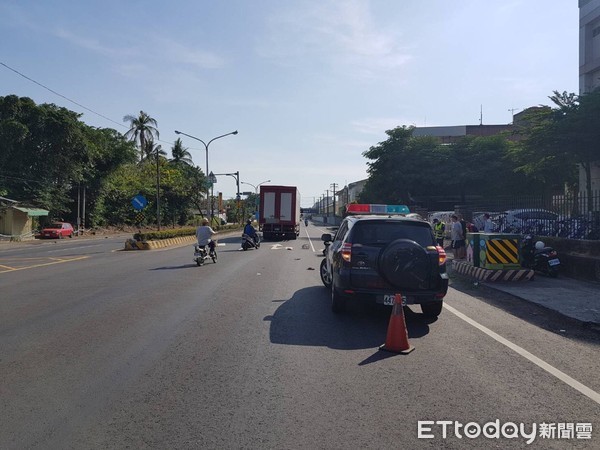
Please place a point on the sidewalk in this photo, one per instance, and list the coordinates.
(576, 299)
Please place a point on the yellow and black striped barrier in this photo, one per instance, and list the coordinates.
(502, 253)
(494, 251)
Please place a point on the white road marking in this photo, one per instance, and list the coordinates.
(309, 240)
(595, 396)
(276, 246)
(68, 249)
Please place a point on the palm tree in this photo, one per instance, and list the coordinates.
(142, 129)
(153, 150)
(180, 153)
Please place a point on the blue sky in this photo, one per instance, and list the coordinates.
(309, 84)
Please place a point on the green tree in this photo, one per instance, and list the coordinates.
(142, 129)
(580, 130)
(47, 154)
(180, 153)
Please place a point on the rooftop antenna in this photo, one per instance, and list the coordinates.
(512, 112)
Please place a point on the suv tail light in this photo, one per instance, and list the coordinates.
(441, 255)
(346, 251)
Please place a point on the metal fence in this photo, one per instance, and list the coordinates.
(573, 216)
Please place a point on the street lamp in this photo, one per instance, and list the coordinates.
(255, 187)
(206, 148)
(256, 199)
(235, 175)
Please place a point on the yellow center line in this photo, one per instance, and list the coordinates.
(7, 267)
(44, 264)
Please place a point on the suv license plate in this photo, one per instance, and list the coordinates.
(554, 262)
(391, 300)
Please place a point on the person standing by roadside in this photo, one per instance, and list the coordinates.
(439, 229)
(488, 225)
(458, 238)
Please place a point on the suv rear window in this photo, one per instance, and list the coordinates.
(382, 233)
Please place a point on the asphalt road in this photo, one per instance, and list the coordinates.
(102, 348)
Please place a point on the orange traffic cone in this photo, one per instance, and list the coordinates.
(397, 335)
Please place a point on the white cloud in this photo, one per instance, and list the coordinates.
(94, 44)
(336, 33)
(177, 52)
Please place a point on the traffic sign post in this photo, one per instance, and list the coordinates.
(139, 202)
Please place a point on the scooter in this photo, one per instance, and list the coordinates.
(539, 257)
(249, 242)
(201, 254)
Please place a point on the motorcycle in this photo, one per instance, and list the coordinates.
(539, 257)
(250, 242)
(201, 254)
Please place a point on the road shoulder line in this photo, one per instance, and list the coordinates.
(590, 393)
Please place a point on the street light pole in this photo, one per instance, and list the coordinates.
(257, 186)
(256, 200)
(208, 199)
(235, 175)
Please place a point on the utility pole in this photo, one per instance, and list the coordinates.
(334, 185)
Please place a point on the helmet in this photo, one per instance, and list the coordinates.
(204, 221)
(249, 221)
(539, 245)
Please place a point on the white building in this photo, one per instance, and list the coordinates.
(589, 66)
(589, 45)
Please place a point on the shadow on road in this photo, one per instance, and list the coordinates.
(182, 266)
(306, 319)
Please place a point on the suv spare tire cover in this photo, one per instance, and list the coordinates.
(405, 264)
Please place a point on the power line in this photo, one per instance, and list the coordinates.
(60, 95)
(72, 101)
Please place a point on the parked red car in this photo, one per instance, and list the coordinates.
(57, 230)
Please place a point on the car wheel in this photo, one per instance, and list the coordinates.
(405, 264)
(325, 277)
(338, 303)
(432, 309)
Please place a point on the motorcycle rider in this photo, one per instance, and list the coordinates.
(250, 230)
(204, 234)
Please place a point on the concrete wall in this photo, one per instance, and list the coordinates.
(579, 259)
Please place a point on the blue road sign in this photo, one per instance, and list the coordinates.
(139, 202)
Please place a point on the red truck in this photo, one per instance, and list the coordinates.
(279, 212)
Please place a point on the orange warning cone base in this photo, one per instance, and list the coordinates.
(397, 335)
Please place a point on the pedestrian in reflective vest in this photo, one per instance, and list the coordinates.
(439, 229)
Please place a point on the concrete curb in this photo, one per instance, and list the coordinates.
(132, 244)
(466, 269)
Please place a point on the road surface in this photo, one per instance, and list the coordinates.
(102, 348)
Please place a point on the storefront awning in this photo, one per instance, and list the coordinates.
(32, 212)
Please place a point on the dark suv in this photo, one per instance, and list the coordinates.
(377, 257)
